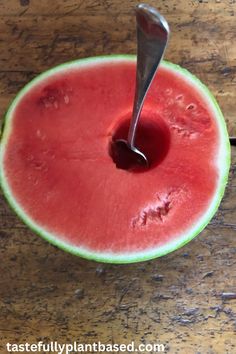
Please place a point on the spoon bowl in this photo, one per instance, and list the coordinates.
(128, 157)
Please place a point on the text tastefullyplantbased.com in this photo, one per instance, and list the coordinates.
(75, 347)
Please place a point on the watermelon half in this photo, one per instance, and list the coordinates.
(59, 175)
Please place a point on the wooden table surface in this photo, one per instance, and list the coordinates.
(178, 300)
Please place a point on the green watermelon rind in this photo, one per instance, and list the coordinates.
(106, 257)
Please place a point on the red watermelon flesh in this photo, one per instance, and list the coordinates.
(59, 174)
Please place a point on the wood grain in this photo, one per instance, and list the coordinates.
(177, 300)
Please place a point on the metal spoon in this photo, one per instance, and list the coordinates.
(152, 37)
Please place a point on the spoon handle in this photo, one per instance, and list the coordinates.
(152, 37)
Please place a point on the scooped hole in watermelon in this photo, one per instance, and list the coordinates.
(152, 138)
